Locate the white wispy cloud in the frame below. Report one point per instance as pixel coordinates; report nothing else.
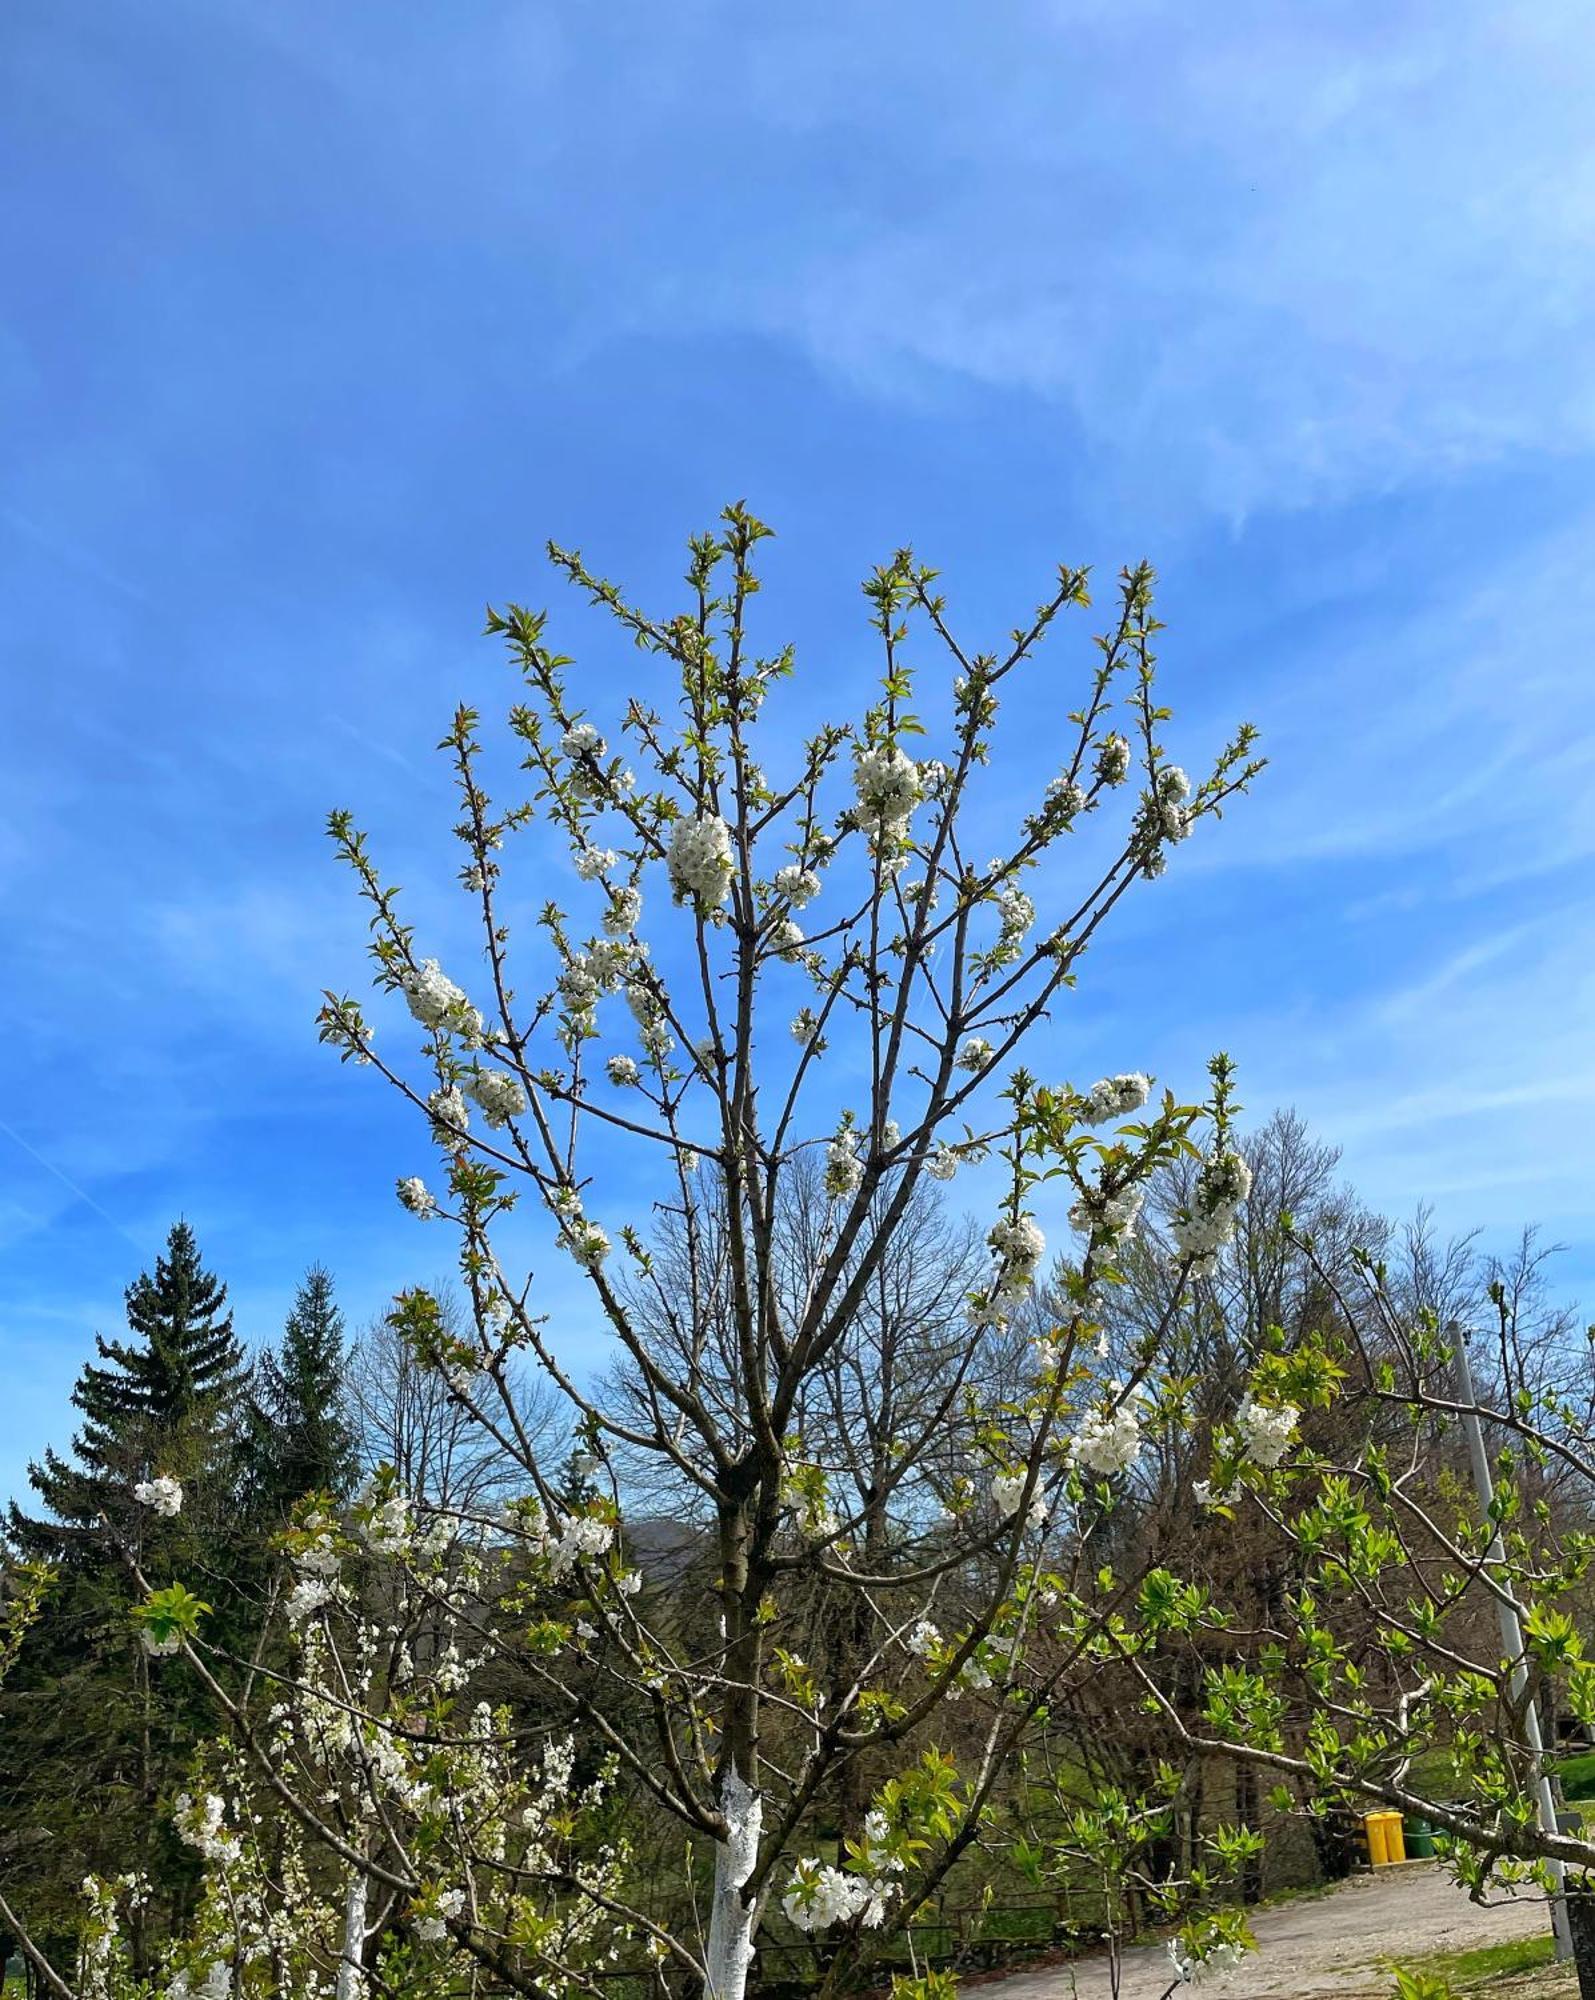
(1274, 255)
(1446, 726)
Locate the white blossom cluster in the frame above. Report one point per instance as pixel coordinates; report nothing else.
(844, 1170)
(699, 861)
(1109, 1441)
(496, 1094)
(974, 1054)
(306, 1598)
(1172, 790)
(624, 912)
(923, 1640)
(820, 1895)
(97, 1948)
(1110, 1215)
(1064, 799)
(579, 989)
(582, 1537)
(1008, 1489)
(586, 1242)
(623, 1071)
(585, 747)
(450, 1119)
(1115, 1097)
(163, 1495)
(610, 961)
(1015, 916)
(786, 940)
(796, 884)
(447, 1906)
(1266, 1429)
(942, 1164)
(886, 784)
(612, 958)
(462, 1376)
(388, 1526)
(1017, 1247)
(806, 1492)
(201, 1824)
(417, 1197)
(436, 1002)
(648, 1012)
(1113, 759)
(805, 1026)
(1215, 1962)
(1207, 1223)
(391, 1769)
(157, 1647)
(318, 1554)
(592, 862)
(1164, 817)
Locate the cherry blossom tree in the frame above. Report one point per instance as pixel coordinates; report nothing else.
(783, 1006)
(762, 967)
(369, 1822)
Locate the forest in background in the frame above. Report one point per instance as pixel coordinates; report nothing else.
(99, 1741)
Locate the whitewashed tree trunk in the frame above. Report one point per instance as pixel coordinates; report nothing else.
(730, 1952)
(351, 1975)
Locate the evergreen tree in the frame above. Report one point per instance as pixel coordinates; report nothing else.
(301, 1440)
(158, 1402)
(95, 1737)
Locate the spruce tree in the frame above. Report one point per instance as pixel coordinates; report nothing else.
(301, 1440)
(95, 1737)
(157, 1402)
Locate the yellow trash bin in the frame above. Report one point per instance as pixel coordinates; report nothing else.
(1386, 1843)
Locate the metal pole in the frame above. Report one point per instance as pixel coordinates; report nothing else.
(1511, 1633)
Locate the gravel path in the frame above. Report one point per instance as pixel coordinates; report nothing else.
(1328, 1947)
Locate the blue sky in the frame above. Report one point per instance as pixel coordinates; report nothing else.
(319, 320)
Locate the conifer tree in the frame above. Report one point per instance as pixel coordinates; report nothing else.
(300, 1437)
(95, 1736)
(157, 1402)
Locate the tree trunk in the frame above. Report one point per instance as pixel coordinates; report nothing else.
(1581, 1922)
(351, 1960)
(855, 1634)
(731, 1920)
(1248, 1812)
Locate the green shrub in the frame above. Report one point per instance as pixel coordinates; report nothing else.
(1577, 1775)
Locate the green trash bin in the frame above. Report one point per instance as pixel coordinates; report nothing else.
(1420, 1840)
